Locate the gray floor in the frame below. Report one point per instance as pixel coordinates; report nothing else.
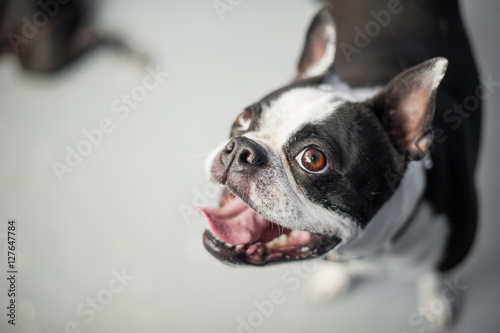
(124, 206)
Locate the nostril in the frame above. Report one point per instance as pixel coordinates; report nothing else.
(246, 156)
(241, 153)
(229, 147)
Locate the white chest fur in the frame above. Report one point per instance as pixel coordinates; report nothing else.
(420, 244)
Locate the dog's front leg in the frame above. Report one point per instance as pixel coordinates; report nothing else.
(333, 279)
(330, 280)
(438, 299)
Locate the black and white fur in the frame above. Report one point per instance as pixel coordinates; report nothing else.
(397, 198)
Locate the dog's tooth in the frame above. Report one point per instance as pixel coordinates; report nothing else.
(305, 249)
(239, 247)
(282, 240)
(294, 233)
(270, 244)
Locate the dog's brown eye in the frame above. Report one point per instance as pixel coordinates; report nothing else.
(313, 160)
(242, 122)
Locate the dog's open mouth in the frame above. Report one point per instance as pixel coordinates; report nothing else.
(237, 234)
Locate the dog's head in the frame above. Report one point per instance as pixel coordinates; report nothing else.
(308, 166)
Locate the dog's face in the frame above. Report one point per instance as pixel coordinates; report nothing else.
(308, 166)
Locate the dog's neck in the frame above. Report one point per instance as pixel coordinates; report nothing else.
(391, 217)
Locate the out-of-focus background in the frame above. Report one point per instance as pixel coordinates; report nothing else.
(107, 242)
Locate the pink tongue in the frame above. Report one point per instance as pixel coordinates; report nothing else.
(235, 222)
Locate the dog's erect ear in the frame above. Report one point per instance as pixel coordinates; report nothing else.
(319, 49)
(405, 106)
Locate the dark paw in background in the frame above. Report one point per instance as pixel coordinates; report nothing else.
(48, 35)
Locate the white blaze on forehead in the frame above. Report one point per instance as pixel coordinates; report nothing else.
(301, 106)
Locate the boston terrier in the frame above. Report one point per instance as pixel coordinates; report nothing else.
(362, 160)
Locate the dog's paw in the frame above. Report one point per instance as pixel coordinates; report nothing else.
(432, 305)
(329, 281)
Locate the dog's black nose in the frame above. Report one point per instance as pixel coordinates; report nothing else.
(241, 153)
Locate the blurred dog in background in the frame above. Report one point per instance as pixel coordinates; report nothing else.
(48, 35)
